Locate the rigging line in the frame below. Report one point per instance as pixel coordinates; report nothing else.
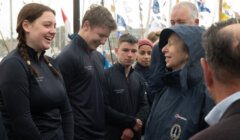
(220, 10)
(110, 49)
(109, 44)
(4, 42)
(149, 13)
(141, 18)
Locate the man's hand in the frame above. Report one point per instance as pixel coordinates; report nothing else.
(138, 126)
(127, 134)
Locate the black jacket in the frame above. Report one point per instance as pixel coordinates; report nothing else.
(34, 108)
(3, 134)
(126, 101)
(145, 73)
(178, 111)
(83, 73)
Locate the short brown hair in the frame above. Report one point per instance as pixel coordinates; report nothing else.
(127, 38)
(223, 50)
(153, 36)
(99, 16)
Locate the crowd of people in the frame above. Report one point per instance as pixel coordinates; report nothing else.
(178, 83)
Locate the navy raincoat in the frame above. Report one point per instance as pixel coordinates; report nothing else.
(178, 111)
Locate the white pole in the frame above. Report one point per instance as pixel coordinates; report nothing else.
(11, 28)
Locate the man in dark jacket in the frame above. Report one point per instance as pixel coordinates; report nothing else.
(178, 111)
(221, 69)
(82, 69)
(127, 107)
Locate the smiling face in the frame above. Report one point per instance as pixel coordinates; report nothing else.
(94, 35)
(144, 55)
(176, 54)
(41, 32)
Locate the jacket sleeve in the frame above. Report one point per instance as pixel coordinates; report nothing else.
(66, 114)
(14, 85)
(67, 69)
(67, 120)
(157, 67)
(113, 116)
(119, 119)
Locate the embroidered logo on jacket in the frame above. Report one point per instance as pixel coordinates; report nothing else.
(118, 91)
(88, 67)
(177, 116)
(39, 79)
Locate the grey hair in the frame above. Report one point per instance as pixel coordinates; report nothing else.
(193, 11)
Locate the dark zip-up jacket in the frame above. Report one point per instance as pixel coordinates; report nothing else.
(178, 111)
(145, 73)
(3, 133)
(157, 68)
(34, 108)
(83, 73)
(126, 101)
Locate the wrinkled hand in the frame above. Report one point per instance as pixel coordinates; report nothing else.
(138, 125)
(127, 134)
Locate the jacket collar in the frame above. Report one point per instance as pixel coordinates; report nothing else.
(121, 68)
(34, 54)
(140, 67)
(224, 109)
(80, 42)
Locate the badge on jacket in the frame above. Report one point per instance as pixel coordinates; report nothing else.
(175, 132)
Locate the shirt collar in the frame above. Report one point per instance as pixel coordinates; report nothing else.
(216, 113)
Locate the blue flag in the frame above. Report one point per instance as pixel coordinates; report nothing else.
(121, 21)
(118, 34)
(156, 8)
(202, 7)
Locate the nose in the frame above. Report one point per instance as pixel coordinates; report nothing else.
(164, 49)
(130, 53)
(147, 56)
(103, 40)
(53, 30)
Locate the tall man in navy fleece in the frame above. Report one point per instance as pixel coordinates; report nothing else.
(82, 69)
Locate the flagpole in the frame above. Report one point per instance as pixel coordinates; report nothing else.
(109, 44)
(11, 28)
(140, 15)
(220, 10)
(76, 13)
(170, 12)
(148, 17)
(102, 2)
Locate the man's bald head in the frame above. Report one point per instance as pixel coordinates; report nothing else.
(222, 46)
